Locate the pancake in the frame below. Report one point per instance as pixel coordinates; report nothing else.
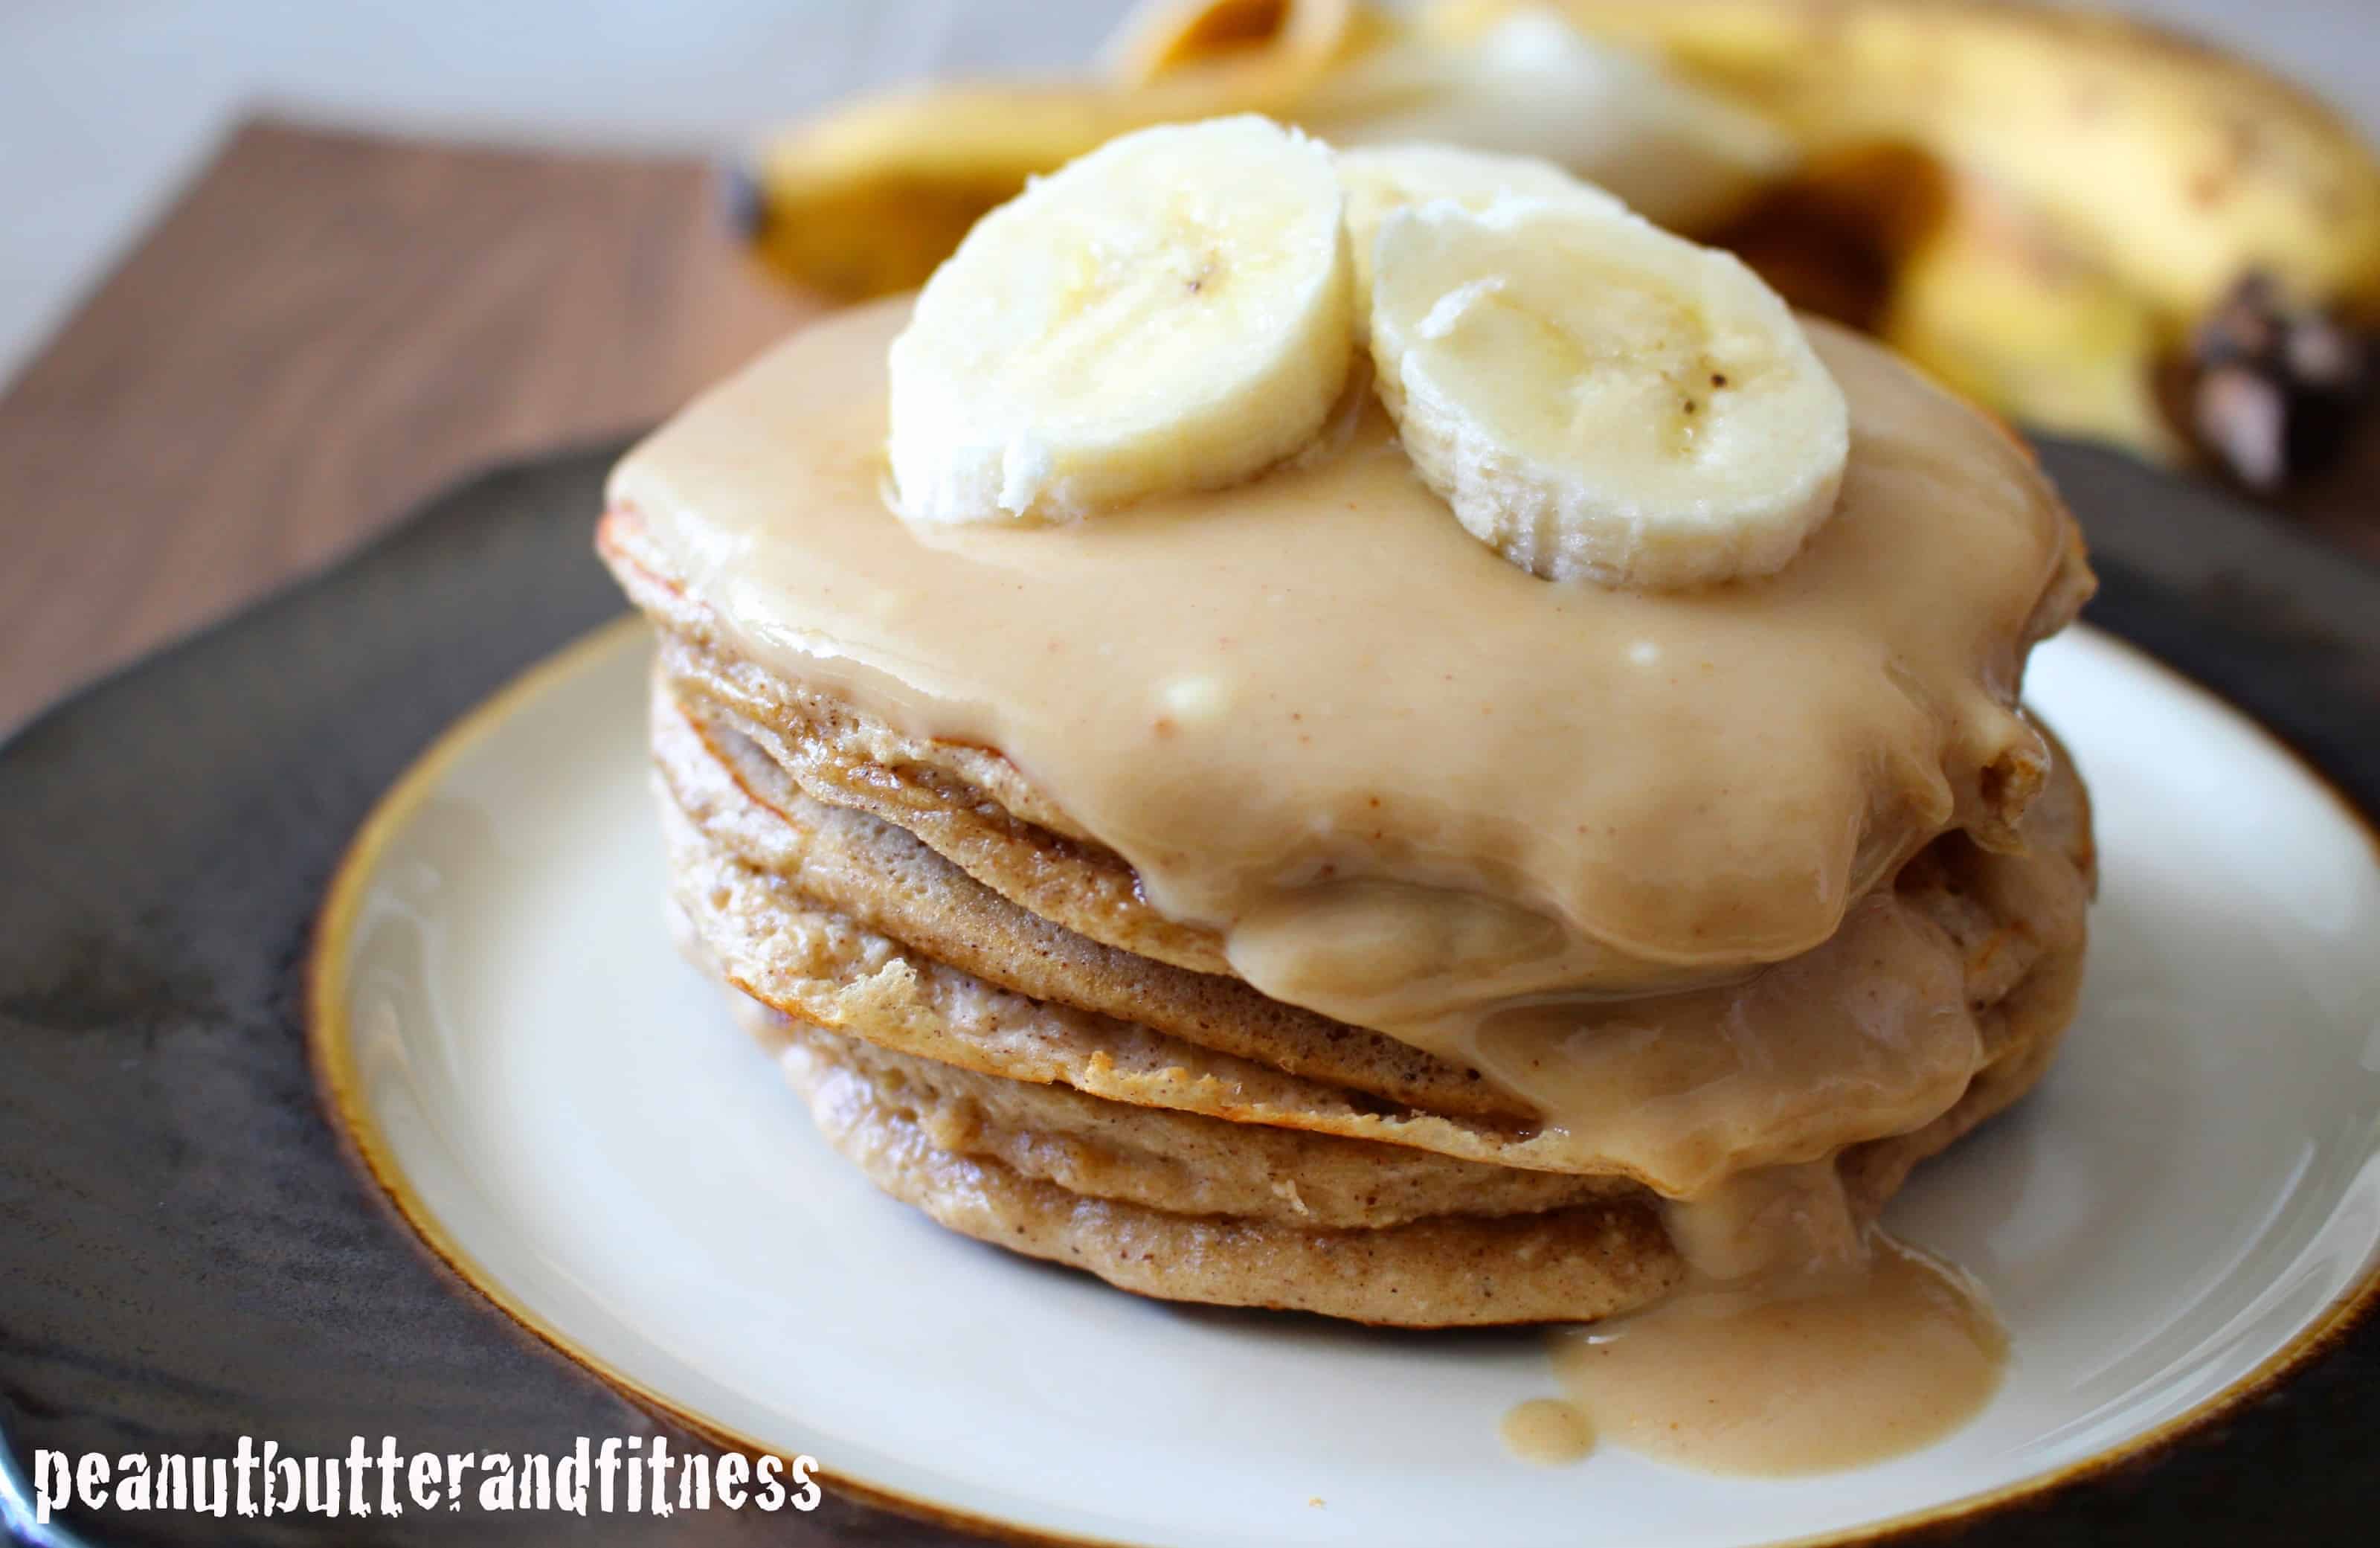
(848, 962)
(1270, 897)
(968, 804)
(890, 880)
(1569, 1264)
(1064, 685)
(975, 810)
(1443, 1271)
(1186, 1163)
(1004, 1096)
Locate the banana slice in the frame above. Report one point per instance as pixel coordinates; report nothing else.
(1599, 399)
(1170, 312)
(1379, 178)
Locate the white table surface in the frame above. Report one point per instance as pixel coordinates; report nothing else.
(108, 105)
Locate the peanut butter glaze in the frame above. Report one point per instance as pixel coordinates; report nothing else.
(1548, 831)
(1833, 1373)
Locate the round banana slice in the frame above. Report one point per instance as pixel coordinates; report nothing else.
(1599, 399)
(1379, 178)
(1170, 312)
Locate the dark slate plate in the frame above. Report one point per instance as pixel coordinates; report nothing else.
(188, 1256)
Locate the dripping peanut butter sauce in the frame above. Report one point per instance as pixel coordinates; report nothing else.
(1557, 833)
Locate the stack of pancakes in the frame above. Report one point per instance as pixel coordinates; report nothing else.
(988, 1019)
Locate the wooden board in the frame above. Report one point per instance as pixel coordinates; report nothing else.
(325, 328)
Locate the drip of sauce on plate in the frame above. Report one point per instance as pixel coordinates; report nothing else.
(1802, 1342)
(1547, 1430)
(1828, 1377)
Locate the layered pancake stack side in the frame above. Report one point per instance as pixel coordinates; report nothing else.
(985, 1016)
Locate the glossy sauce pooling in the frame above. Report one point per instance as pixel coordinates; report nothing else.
(1848, 1368)
(1547, 1430)
(1803, 1341)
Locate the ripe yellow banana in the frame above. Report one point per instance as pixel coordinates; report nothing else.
(869, 197)
(2046, 207)
(2170, 167)
(1283, 45)
(1989, 302)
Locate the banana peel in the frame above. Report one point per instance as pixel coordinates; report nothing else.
(1280, 46)
(1969, 284)
(870, 199)
(2103, 189)
(1991, 306)
(2173, 168)
(867, 201)
(1535, 86)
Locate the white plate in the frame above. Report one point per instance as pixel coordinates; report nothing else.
(566, 1109)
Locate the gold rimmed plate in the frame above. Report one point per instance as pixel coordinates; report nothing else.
(2183, 1222)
